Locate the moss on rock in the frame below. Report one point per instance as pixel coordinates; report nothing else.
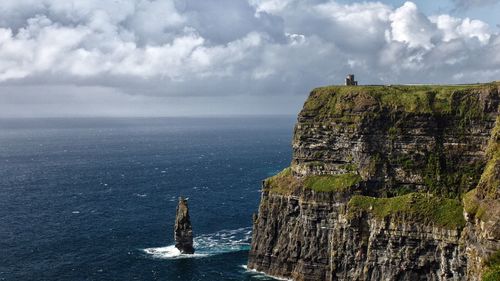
(417, 207)
(330, 183)
(489, 184)
(492, 268)
(285, 182)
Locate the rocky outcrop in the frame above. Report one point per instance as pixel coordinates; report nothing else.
(375, 187)
(305, 239)
(183, 231)
(482, 212)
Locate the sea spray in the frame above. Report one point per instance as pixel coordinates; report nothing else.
(223, 241)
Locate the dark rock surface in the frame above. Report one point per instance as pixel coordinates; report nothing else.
(434, 142)
(307, 239)
(183, 231)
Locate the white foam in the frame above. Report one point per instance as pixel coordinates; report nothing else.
(262, 274)
(170, 252)
(205, 245)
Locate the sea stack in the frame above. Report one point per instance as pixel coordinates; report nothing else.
(183, 231)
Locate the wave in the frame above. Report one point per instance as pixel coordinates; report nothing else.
(261, 275)
(224, 241)
(170, 252)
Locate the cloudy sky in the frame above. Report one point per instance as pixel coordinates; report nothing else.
(224, 57)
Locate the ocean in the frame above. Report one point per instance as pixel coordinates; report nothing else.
(95, 199)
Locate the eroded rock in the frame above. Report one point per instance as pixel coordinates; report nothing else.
(183, 231)
(399, 140)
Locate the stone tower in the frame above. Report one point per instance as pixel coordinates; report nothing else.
(349, 80)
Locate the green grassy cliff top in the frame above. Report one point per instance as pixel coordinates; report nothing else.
(451, 99)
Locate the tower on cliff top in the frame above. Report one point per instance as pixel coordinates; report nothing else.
(349, 80)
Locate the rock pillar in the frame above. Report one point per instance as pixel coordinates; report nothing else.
(183, 231)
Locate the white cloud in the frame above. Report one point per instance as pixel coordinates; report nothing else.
(270, 6)
(455, 28)
(357, 26)
(410, 26)
(260, 47)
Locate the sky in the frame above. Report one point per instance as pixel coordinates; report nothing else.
(128, 58)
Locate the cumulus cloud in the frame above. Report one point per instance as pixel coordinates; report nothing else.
(181, 48)
(410, 26)
(454, 28)
(143, 39)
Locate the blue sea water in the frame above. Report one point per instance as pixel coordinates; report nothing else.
(95, 199)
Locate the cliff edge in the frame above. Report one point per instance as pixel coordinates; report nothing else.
(387, 183)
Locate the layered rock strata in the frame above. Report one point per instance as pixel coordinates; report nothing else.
(375, 187)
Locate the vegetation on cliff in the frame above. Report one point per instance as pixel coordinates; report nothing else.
(492, 268)
(472, 204)
(329, 183)
(482, 202)
(445, 176)
(415, 207)
(461, 100)
(489, 184)
(440, 125)
(285, 182)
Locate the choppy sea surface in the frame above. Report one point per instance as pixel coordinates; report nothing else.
(95, 199)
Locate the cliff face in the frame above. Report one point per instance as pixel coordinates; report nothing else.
(482, 212)
(375, 187)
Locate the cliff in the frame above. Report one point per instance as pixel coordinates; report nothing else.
(386, 183)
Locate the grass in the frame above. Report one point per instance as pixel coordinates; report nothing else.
(285, 183)
(417, 207)
(481, 209)
(352, 167)
(330, 183)
(471, 203)
(492, 268)
(336, 101)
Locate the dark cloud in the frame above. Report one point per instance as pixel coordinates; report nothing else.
(223, 21)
